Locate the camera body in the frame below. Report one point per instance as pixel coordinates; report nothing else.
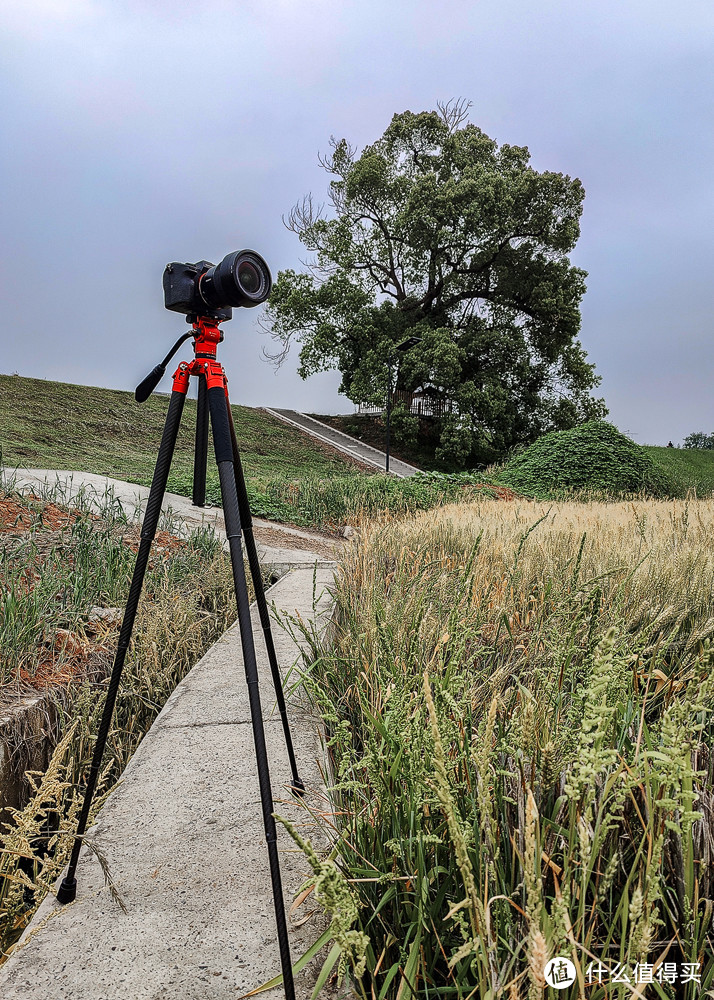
(181, 291)
(203, 289)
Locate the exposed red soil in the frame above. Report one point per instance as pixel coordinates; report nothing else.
(18, 516)
(72, 657)
(163, 541)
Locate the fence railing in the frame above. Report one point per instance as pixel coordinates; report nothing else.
(421, 405)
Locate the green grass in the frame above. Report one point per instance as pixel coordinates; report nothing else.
(330, 502)
(53, 425)
(690, 468)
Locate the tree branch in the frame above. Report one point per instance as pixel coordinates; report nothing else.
(454, 112)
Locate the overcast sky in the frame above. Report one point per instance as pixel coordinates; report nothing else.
(144, 131)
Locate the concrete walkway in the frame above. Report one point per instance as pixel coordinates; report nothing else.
(183, 835)
(343, 442)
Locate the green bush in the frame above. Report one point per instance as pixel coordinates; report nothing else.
(594, 456)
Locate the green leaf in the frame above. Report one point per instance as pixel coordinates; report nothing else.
(300, 964)
(326, 969)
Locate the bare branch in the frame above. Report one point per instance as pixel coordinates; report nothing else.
(279, 357)
(303, 215)
(327, 160)
(454, 112)
(281, 354)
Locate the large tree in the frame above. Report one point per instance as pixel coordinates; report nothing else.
(439, 233)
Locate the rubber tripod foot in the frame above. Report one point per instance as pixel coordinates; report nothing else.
(297, 787)
(67, 891)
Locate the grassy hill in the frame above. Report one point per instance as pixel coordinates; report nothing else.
(687, 468)
(690, 468)
(52, 425)
(290, 476)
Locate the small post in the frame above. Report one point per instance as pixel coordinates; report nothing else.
(403, 347)
(389, 405)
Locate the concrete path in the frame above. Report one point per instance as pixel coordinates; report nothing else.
(183, 836)
(183, 831)
(343, 442)
(96, 490)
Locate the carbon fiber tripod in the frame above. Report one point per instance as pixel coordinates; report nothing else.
(213, 401)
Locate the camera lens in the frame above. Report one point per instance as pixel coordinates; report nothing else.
(241, 279)
(248, 277)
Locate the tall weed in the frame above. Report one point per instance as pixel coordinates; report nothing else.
(518, 706)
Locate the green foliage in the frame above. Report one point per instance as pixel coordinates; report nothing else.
(594, 456)
(404, 426)
(440, 233)
(327, 503)
(699, 440)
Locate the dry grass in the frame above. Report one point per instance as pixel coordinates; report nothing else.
(648, 565)
(553, 792)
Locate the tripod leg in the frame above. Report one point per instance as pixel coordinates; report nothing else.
(201, 452)
(246, 521)
(68, 888)
(224, 457)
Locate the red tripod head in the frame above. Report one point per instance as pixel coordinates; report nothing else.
(206, 338)
(206, 335)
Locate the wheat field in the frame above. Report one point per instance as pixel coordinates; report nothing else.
(518, 703)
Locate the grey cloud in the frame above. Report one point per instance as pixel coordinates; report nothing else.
(137, 133)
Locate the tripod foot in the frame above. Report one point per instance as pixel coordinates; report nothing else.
(67, 891)
(297, 787)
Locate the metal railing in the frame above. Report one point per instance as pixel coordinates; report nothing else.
(420, 404)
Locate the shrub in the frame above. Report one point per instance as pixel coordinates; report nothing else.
(593, 456)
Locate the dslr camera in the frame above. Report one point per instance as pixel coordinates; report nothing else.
(204, 289)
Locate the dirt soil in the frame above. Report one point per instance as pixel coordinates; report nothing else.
(66, 656)
(18, 517)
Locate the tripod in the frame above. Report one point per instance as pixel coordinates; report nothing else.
(213, 401)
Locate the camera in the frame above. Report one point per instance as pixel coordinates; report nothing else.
(204, 289)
